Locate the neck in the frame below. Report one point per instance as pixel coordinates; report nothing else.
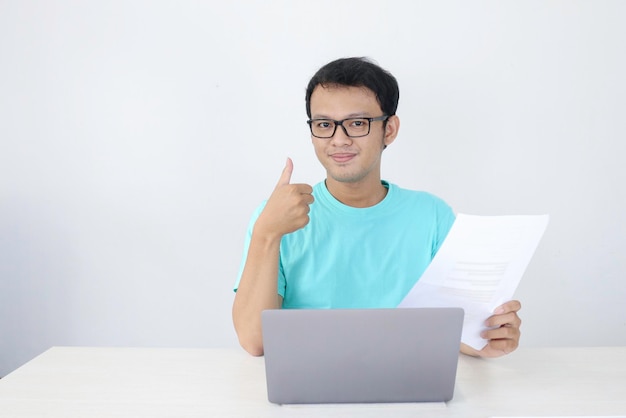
(357, 195)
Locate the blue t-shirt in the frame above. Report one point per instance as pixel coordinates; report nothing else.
(349, 257)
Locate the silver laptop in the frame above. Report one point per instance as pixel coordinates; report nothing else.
(361, 355)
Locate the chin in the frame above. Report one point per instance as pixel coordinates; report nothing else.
(346, 177)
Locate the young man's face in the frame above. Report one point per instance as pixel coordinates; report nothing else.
(351, 160)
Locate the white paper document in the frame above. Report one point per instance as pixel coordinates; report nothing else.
(478, 268)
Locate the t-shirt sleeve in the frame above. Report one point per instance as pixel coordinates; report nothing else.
(445, 219)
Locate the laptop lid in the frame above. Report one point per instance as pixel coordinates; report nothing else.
(361, 355)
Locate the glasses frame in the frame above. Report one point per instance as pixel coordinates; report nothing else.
(340, 123)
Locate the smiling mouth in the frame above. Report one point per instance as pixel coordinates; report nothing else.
(342, 157)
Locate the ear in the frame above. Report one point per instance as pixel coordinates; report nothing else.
(391, 129)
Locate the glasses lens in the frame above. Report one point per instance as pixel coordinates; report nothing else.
(354, 127)
(322, 128)
(357, 126)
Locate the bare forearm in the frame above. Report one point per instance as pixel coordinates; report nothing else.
(257, 291)
(286, 211)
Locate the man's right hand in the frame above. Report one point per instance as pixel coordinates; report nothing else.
(287, 209)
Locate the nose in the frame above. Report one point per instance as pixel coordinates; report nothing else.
(340, 137)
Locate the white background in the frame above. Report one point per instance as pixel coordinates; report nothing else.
(137, 137)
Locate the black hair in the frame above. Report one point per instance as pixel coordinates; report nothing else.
(357, 72)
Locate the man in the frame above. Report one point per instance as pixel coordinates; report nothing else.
(352, 241)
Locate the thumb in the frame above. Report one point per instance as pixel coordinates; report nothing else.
(285, 176)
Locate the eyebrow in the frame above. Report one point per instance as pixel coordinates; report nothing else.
(350, 116)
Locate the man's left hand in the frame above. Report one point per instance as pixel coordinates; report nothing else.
(504, 333)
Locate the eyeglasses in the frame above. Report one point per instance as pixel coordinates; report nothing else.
(353, 127)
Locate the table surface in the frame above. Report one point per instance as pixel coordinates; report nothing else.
(155, 382)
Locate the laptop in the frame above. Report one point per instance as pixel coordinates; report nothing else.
(361, 355)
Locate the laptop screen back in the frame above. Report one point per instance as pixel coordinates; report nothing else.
(361, 355)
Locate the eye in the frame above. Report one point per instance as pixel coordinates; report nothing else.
(358, 123)
(324, 124)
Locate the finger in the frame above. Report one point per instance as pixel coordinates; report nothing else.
(503, 346)
(285, 176)
(501, 333)
(303, 188)
(510, 306)
(510, 319)
(305, 192)
(308, 199)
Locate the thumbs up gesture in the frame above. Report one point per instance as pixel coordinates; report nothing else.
(287, 209)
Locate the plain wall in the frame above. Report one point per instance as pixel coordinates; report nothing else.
(137, 137)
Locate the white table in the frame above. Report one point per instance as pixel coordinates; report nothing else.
(139, 382)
